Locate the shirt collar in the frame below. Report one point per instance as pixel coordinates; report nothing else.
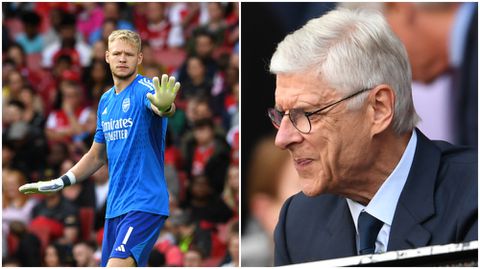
(384, 202)
(460, 29)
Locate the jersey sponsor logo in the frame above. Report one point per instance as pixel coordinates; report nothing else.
(112, 124)
(116, 129)
(126, 104)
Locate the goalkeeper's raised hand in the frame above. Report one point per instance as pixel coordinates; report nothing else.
(48, 186)
(165, 93)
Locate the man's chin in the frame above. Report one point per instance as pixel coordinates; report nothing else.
(311, 187)
(123, 76)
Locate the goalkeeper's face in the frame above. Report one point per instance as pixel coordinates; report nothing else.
(123, 58)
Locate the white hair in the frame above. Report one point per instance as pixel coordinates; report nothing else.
(352, 50)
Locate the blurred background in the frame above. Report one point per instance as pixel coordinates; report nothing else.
(53, 65)
(441, 40)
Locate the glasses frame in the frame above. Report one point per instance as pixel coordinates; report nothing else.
(308, 114)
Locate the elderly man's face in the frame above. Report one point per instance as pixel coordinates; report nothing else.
(326, 157)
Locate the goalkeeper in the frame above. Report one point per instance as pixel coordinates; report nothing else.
(130, 134)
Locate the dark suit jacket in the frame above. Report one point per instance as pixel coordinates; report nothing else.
(438, 205)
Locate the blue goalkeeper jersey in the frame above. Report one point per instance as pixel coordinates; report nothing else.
(135, 142)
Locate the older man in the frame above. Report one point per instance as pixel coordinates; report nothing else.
(370, 181)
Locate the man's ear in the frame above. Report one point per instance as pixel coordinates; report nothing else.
(107, 54)
(382, 101)
(140, 58)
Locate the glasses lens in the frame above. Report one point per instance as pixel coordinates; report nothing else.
(275, 116)
(299, 120)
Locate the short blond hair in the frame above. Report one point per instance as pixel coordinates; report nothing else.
(126, 35)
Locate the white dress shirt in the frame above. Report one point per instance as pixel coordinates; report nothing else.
(384, 202)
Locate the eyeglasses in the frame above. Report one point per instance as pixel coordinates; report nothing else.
(301, 119)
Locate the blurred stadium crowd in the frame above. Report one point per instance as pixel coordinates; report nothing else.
(54, 73)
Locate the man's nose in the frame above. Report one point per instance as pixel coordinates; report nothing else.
(287, 134)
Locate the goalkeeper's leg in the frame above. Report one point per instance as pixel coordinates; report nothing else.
(129, 238)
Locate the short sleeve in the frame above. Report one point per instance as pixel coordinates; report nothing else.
(147, 88)
(99, 136)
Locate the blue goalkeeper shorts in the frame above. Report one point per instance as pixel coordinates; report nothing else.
(132, 234)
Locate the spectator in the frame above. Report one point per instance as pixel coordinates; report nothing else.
(108, 26)
(71, 234)
(16, 207)
(19, 135)
(156, 259)
(230, 193)
(34, 111)
(83, 253)
(83, 194)
(8, 66)
(58, 152)
(55, 256)
(149, 63)
(31, 74)
(30, 40)
(6, 39)
(100, 178)
(271, 180)
(8, 154)
(111, 11)
(203, 47)
(98, 50)
(206, 206)
(232, 25)
(89, 19)
(157, 28)
(28, 249)
(233, 250)
(190, 233)
(193, 257)
(15, 83)
(194, 14)
(68, 44)
(63, 66)
(11, 262)
(441, 40)
(232, 105)
(197, 83)
(166, 245)
(67, 123)
(52, 212)
(97, 80)
(52, 17)
(216, 25)
(207, 154)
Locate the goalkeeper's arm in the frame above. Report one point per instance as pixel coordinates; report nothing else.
(164, 96)
(90, 162)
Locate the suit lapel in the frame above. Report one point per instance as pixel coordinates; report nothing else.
(340, 228)
(416, 202)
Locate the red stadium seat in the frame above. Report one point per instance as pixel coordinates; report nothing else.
(12, 244)
(87, 215)
(43, 234)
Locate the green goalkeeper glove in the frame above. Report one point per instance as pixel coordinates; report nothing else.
(49, 186)
(165, 93)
